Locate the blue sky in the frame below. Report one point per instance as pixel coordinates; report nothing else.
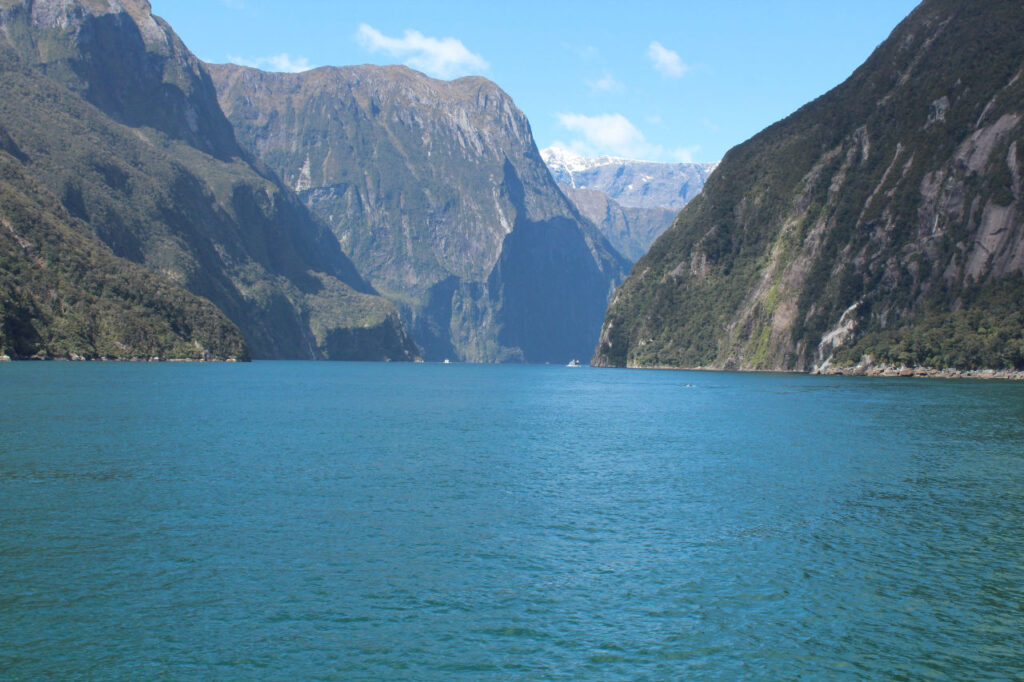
(661, 80)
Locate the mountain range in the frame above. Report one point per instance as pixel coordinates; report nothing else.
(142, 221)
(152, 205)
(880, 223)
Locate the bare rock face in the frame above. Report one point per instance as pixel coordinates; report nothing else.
(108, 111)
(438, 193)
(886, 218)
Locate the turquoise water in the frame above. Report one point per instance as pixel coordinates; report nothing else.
(364, 521)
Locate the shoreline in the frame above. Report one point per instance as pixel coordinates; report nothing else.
(75, 357)
(874, 370)
(902, 371)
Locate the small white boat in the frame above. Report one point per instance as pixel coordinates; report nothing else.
(574, 363)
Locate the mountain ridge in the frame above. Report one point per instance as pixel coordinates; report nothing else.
(630, 230)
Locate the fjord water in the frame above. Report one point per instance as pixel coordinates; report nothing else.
(343, 520)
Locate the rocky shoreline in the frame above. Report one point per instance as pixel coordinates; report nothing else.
(873, 369)
(75, 357)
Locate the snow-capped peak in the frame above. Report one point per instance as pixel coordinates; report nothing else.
(573, 162)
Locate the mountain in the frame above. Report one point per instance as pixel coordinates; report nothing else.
(112, 115)
(438, 193)
(879, 223)
(630, 183)
(631, 230)
(631, 202)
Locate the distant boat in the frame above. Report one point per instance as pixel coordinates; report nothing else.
(574, 363)
(447, 361)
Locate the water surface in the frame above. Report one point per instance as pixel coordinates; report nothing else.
(362, 521)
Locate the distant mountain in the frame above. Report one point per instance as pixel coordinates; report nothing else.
(882, 222)
(630, 230)
(631, 202)
(438, 193)
(630, 183)
(114, 117)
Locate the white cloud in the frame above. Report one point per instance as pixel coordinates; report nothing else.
(606, 84)
(615, 135)
(608, 134)
(439, 57)
(283, 63)
(667, 62)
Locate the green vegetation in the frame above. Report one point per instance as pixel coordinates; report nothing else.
(986, 332)
(65, 294)
(874, 194)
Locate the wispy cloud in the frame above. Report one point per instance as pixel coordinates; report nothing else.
(685, 154)
(615, 135)
(283, 63)
(666, 62)
(439, 57)
(607, 83)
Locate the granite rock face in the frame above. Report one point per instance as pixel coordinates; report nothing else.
(438, 193)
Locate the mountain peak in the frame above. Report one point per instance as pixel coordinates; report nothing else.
(125, 61)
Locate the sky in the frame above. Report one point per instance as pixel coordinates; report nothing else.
(663, 80)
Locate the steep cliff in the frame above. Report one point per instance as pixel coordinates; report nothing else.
(884, 218)
(116, 118)
(438, 193)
